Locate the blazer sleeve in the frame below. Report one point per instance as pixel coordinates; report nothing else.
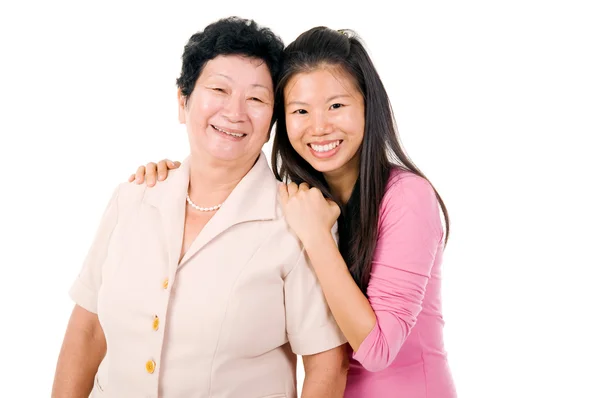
(310, 325)
(84, 290)
(410, 233)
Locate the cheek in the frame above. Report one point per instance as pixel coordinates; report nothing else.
(261, 119)
(294, 130)
(360, 130)
(354, 126)
(201, 111)
(210, 107)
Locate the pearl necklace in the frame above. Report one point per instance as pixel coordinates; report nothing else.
(195, 206)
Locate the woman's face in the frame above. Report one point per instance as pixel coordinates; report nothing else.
(324, 115)
(229, 112)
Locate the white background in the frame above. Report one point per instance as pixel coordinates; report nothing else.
(497, 102)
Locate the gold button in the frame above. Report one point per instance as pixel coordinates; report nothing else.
(150, 366)
(155, 323)
(166, 283)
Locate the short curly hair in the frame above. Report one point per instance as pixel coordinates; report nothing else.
(229, 36)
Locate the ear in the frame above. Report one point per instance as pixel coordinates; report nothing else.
(181, 106)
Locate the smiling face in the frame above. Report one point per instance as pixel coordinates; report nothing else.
(325, 119)
(228, 115)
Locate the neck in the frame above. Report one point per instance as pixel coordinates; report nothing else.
(211, 181)
(341, 181)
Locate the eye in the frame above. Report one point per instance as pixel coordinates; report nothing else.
(336, 106)
(300, 111)
(256, 99)
(218, 89)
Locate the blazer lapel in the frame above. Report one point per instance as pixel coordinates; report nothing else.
(254, 198)
(169, 197)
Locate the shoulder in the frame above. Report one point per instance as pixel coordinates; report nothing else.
(409, 201)
(126, 195)
(405, 188)
(129, 193)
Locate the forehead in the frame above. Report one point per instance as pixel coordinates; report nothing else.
(238, 69)
(324, 80)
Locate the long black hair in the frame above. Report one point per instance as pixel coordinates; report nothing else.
(380, 151)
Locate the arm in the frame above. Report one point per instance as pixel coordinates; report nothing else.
(84, 344)
(325, 374)
(313, 333)
(349, 306)
(376, 327)
(409, 235)
(83, 349)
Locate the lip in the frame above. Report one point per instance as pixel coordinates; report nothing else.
(328, 154)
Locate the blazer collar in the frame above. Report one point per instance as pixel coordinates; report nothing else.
(254, 198)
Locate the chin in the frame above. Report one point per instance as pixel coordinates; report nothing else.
(326, 166)
(226, 155)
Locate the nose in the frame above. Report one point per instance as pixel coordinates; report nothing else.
(234, 109)
(321, 124)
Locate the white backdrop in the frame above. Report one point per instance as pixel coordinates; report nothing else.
(497, 102)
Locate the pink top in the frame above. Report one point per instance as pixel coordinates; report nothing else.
(404, 355)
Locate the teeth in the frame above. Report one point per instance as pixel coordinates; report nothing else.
(228, 133)
(325, 148)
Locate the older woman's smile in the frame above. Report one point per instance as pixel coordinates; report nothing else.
(229, 133)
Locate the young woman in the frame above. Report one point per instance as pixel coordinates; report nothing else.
(336, 146)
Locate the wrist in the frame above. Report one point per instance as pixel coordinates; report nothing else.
(318, 240)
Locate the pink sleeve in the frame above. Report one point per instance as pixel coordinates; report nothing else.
(410, 232)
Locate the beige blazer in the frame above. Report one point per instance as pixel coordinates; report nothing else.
(224, 322)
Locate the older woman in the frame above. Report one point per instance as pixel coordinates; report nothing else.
(197, 287)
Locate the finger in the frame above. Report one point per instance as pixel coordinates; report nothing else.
(172, 165)
(335, 209)
(303, 187)
(151, 174)
(283, 193)
(316, 191)
(131, 178)
(140, 175)
(332, 204)
(162, 170)
(292, 189)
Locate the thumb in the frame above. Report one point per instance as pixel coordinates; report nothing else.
(283, 193)
(334, 207)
